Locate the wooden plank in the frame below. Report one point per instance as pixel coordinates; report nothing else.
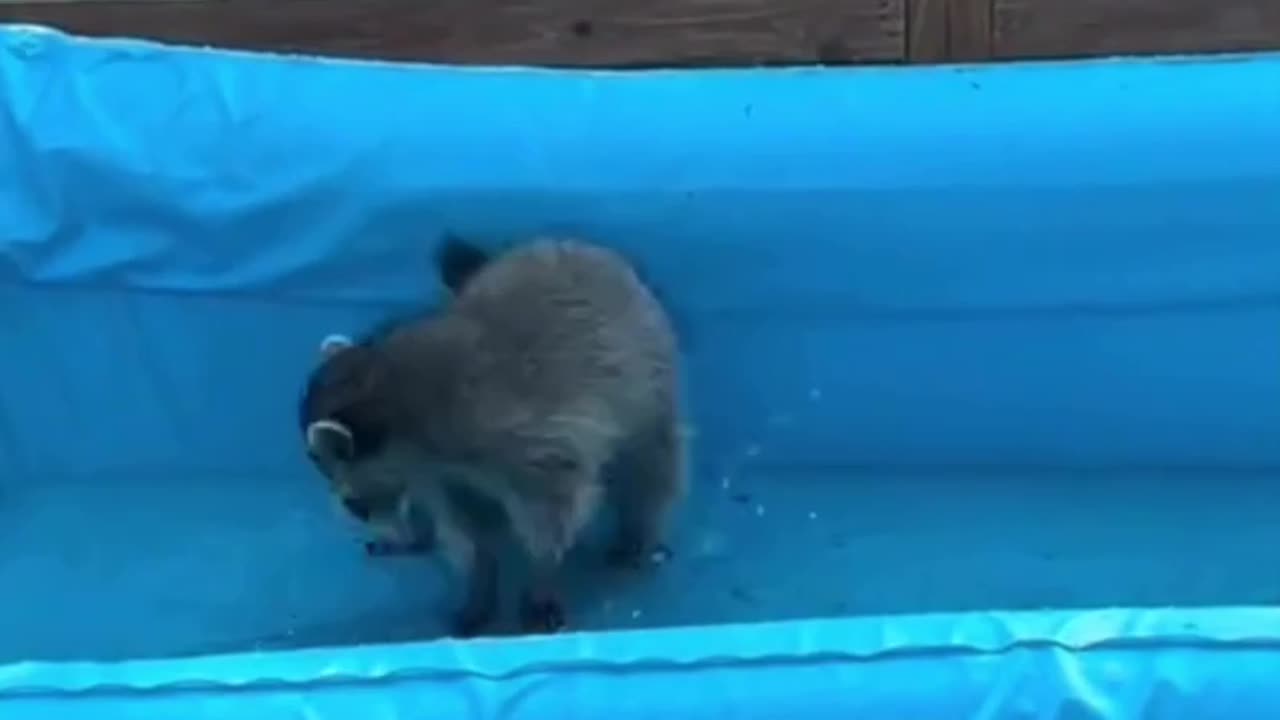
(927, 31)
(66, 2)
(969, 30)
(1062, 28)
(610, 33)
(70, 2)
(948, 30)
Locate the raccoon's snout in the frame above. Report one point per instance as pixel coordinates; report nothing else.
(358, 508)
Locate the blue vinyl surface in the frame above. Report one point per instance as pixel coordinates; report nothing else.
(959, 341)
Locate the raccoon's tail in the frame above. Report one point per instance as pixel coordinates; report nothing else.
(457, 261)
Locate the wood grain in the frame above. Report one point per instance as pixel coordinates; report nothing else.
(67, 2)
(927, 31)
(675, 33)
(969, 30)
(605, 33)
(1068, 28)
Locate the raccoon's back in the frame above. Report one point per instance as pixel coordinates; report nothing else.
(563, 322)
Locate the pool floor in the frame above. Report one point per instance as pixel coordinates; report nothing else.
(109, 567)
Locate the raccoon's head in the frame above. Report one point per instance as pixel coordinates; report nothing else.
(346, 416)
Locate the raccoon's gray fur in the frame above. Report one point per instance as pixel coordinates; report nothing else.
(551, 360)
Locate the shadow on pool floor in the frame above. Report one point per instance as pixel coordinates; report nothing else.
(101, 568)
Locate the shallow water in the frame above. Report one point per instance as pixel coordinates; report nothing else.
(116, 568)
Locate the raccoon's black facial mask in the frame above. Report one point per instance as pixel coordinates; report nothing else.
(366, 508)
(358, 508)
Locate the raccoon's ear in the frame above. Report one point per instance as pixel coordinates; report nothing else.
(333, 344)
(331, 439)
(457, 261)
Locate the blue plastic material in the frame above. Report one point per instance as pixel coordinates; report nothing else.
(1104, 664)
(1037, 269)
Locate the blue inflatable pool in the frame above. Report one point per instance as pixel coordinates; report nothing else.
(983, 371)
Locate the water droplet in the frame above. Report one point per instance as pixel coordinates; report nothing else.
(753, 450)
(760, 511)
(813, 515)
(725, 482)
(712, 544)
(635, 614)
(815, 394)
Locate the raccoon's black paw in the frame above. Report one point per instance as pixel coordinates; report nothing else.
(541, 615)
(382, 548)
(632, 556)
(378, 548)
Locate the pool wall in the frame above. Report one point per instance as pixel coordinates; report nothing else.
(1055, 265)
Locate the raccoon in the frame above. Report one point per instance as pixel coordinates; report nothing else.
(457, 261)
(495, 417)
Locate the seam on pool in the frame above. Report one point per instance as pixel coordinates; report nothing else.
(764, 310)
(650, 665)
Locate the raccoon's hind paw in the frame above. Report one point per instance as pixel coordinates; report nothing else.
(471, 623)
(543, 615)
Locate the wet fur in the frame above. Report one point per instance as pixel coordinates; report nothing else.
(551, 361)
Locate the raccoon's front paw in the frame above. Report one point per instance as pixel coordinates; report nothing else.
(636, 556)
(380, 548)
(383, 548)
(541, 615)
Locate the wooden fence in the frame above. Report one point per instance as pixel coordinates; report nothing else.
(634, 33)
